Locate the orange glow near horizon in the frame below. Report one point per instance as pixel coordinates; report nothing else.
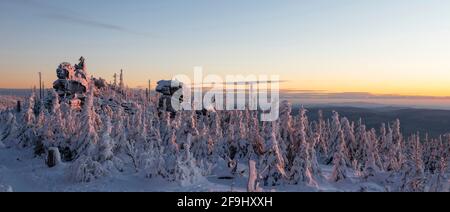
(409, 87)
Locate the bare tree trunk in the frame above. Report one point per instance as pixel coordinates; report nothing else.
(19, 107)
(40, 86)
(252, 176)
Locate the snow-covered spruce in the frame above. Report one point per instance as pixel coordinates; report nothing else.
(120, 130)
(272, 164)
(303, 165)
(85, 169)
(339, 160)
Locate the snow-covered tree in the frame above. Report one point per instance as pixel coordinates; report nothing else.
(186, 126)
(11, 129)
(170, 154)
(57, 116)
(315, 167)
(53, 133)
(151, 158)
(349, 136)
(299, 136)
(255, 137)
(272, 164)
(334, 139)
(118, 132)
(398, 143)
(412, 171)
(339, 161)
(232, 137)
(439, 182)
(370, 168)
(85, 169)
(106, 143)
(200, 150)
(390, 153)
(432, 154)
(186, 172)
(287, 128)
(214, 124)
(28, 131)
(242, 136)
(88, 136)
(301, 170)
(359, 152)
(323, 134)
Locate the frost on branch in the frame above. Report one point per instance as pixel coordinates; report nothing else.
(272, 165)
(84, 169)
(122, 130)
(339, 160)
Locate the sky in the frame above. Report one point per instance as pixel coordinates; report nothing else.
(395, 47)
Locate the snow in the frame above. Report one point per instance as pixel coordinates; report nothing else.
(22, 172)
(5, 188)
(122, 141)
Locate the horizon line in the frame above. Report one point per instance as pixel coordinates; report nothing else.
(313, 94)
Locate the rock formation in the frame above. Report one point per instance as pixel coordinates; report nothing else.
(72, 81)
(167, 88)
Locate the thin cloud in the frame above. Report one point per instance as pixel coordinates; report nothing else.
(302, 91)
(63, 15)
(89, 23)
(357, 95)
(247, 82)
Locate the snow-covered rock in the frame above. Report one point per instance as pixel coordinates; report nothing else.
(73, 82)
(6, 188)
(70, 81)
(54, 157)
(167, 88)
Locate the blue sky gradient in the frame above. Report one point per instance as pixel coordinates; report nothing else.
(382, 46)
